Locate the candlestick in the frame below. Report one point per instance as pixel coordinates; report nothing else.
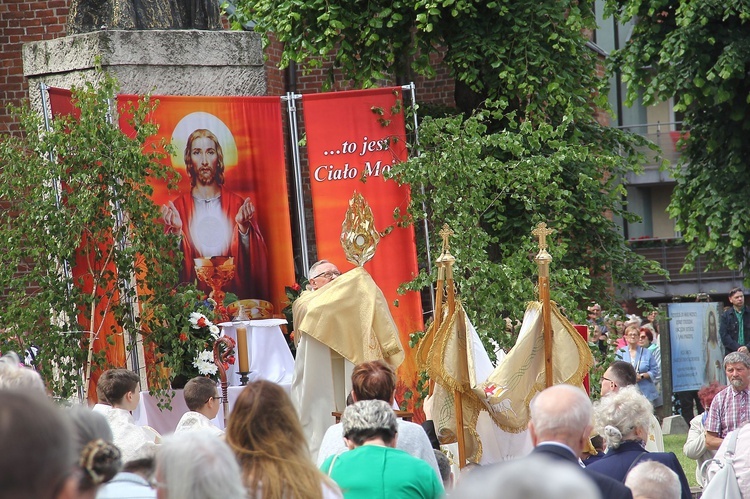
(242, 348)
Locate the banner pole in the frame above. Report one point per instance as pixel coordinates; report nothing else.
(43, 88)
(46, 111)
(137, 357)
(291, 108)
(543, 259)
(412, 89)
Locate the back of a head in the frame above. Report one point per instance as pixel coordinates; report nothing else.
(532, 477)
(116, 383)
(618, 415)
(93, 445)
(197, 392)
(38, 456)
(374, 380)
(560, 411)
(263, 418)
(653, 480)
(266, 436)
(14, 376)
(623, 373)
(198, 465)
(368, 419)
(444, 465)
(707, 393)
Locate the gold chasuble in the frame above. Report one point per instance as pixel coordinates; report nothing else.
(350, 316)
(346, 322)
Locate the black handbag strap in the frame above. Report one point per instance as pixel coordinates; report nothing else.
(634, 462)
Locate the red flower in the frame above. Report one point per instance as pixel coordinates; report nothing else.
(296, 287)
(231, 359)
(202, 322)
(183, 337)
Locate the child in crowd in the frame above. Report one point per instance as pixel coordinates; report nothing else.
(202, 398)
(121, 389)
(102, 406)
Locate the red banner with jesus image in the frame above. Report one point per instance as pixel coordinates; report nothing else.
(353, 138)
(231, 200)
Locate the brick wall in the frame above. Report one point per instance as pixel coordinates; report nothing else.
(23, 21)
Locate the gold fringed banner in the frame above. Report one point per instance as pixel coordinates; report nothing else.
(447, 356)
(507, 392)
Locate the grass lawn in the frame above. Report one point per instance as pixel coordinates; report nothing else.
(674, 443)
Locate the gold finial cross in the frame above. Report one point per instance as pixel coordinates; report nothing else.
(446, 232)
(541, 231)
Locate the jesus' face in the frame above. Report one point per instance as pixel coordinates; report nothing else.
(205, 160)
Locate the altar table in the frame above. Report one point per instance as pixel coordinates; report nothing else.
(269, 359)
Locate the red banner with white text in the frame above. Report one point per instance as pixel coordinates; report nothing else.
(353, 138)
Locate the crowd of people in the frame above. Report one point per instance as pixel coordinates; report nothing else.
(612, 448)
(102, 453)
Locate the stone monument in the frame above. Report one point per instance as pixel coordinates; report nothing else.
(136, 42)
(93, 15)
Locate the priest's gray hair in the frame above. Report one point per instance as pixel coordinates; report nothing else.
(618, 415)
(653, 480)
(198, 465)
(368, 419)
(314, 266)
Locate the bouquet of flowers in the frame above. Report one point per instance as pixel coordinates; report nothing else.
(292, 293)
(192, 355)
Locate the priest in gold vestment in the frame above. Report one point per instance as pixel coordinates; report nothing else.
(342, 321)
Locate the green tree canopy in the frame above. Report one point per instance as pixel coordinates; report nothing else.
(528, 148)
(699, 53)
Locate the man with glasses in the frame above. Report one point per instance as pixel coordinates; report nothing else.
(203, 399)
(340, 321)
(621, 374)
(321, 273)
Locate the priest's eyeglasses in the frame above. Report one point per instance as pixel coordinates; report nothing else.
(330, 274)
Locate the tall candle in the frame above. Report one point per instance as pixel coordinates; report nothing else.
(242, 348)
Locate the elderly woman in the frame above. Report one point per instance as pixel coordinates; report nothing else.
(197, 465)
(695, 446)
(373, 467)
(622, 418)
(647, 370)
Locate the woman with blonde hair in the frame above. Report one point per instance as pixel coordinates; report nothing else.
(647, 370)
(266, 436)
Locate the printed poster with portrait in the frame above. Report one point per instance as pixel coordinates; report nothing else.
(231, 205)
(697, 352)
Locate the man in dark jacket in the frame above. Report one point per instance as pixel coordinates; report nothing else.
(560, 427)
(734, 327)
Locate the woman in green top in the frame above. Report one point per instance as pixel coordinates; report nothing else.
(373, 468)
